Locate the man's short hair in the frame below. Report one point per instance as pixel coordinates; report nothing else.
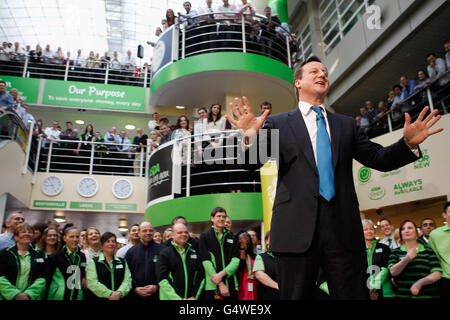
(386, 219)
(1, 81)
(187, 2)
(396, 86)
(427, 219)
(178, 217)
(446, 207)
(430, 54)
(10, 216)
(202, 108)
(298, 73)
(67, 122)
(217, 209)
(134, 225)
(266, 103)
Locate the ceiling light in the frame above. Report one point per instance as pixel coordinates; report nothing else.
(130, 127)
(179, 107)
(59, 217)
(123, 225)
(79, 121)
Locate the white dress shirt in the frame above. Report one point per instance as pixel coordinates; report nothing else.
(310, 118)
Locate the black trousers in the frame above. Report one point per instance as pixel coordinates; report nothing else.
(344, 271)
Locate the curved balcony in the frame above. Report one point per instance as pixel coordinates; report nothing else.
(224, 55)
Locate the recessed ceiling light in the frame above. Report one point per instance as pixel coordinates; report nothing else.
(130, 127)
(180, 107)
(79, 121)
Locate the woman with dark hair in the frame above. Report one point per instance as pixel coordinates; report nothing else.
(86, 148)
(67, 269)
(108, 276)
(415, 267)
(182, 133)
(246, 278)
(171, 18)
(49, 241)
(23, 270)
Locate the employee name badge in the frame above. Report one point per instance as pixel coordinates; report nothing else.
(379, 250)
(119, 266)
(230, 240)
(155, 258)
(250, 286)
(39, 260)
(193, 256)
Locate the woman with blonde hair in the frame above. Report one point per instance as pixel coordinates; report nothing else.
(155, 138)
(167, 234)
(93, 244)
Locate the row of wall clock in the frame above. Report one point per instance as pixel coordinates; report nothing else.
(87, 187)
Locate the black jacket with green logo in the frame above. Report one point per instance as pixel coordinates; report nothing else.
(179, 279)
(63, 266)
(220, 256)
(104, 275)
(10, 268)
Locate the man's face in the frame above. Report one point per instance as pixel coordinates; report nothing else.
(314, 80)
(403, 81)
(202, 113)
(397, 91)
(2, 87)
(431, 60)
(386, 228)
(265, 107)
(180, 234)
(225, 2)
(164, 130)
(68, 126)
(113, 130)
(146, 232)
(446, 216)
(219, 219)
(447, 47)
(421, 75)
(369, 105)
(209, 2)
(55, 124)
(362, 111)
(14, 93)
(16, 44)
(268, 12)
(129, 53)
(122, 134)
(427, 226)
(134, 233)
(47, 47)
(16, 219)
(187, 6)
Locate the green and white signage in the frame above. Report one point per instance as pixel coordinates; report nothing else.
(28, 87)
(49, 204)
(92, 95)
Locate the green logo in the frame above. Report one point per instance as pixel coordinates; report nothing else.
(377, 193)
(364, 174)
(154, 170)
(423, 162)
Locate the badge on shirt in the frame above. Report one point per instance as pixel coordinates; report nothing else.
(230, 240)
(379, 250)
(193, 256)
(155, 258)
(39, 260)
(250, 286)
(119, 266)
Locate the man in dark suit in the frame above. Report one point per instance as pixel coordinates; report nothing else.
(316, 221)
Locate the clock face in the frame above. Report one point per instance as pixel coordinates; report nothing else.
(52, 186)
(87, 187)
(122, 188)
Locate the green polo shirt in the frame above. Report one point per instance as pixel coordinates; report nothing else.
(166, 291)
(421, 266)
(439, 241)
(24, 271)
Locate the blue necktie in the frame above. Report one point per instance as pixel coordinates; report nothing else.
(324, 157)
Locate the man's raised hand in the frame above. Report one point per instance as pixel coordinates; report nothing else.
(244, 119)
(415, 133)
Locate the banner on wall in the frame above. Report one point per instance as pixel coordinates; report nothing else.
(28, 87)
(93, 95)
(165, 51)
(269, 179)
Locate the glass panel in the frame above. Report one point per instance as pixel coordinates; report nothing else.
(308, 52)
(329, 11)
(327, 40)
(329, 24)
(355, 7)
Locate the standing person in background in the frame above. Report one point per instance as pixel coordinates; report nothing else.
(141, 141)
(439, 240)
(12, 221)
(67, 269)
(179, 270)
(157, 237)
(85, 147)
(93, 245)
(219, 252)
(167, 235)
(193, 242)
(415, 267)
(23, 270)
(377, 260)
(155, 139)
(141, 260)
(133, 240)
(6, 100)
(50, 242)
(171, 19)
(389, 237)
(265, 272)
(246, 278)
(427, 226)
(166, 133)
(108, 276)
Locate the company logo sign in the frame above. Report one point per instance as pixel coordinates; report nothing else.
(408, 187)
(423, 162)
(364, 175)
(377, 193)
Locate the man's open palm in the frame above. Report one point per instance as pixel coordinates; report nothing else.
(415, 133)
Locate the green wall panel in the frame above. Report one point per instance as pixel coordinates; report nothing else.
(239, 206)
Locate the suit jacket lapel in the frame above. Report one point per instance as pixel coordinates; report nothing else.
(335, 134)
(301, 134)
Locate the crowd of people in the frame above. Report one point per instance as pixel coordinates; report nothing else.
(408, 95)
(47, 262)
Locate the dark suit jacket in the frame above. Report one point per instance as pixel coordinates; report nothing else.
(296, 201)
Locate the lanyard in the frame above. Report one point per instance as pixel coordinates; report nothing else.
(249, 268)
(370, 254)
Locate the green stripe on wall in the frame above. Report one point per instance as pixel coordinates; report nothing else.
(239, 206)
(222, 61)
